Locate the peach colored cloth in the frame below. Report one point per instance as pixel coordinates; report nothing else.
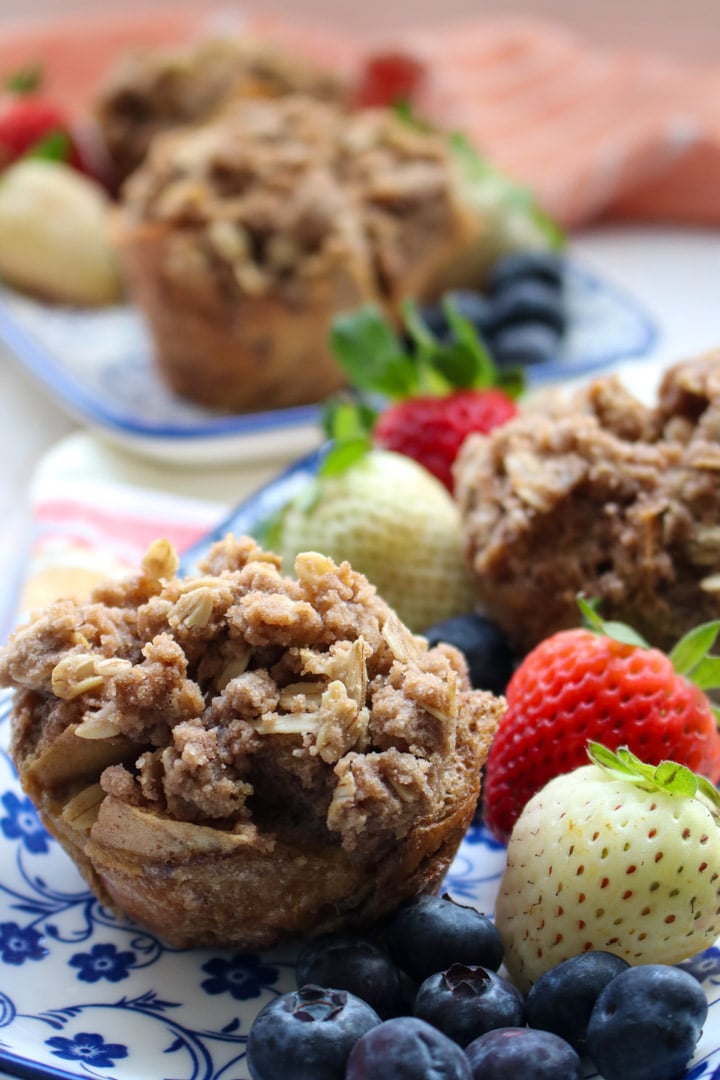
(596, 132)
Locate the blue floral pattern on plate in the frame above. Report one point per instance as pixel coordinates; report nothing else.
(84, 994)
(98, 364)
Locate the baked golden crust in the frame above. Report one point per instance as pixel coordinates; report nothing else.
(604, 496)
(239, 757)
(225, 348)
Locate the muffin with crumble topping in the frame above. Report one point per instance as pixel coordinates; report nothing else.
(242, 238)
(237, 757)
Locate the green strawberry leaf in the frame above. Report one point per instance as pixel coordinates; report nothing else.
(347, 419)
(610, 761)
(54, 147)
(690, 656)
(342, 455)
(671, 777)
(706, 673)
(482, 174)
(25, 80)
(692, 649)
(676, 778)
(404, 111)
(371, 354)
(349, 424)
(618, 631)
(512, 197)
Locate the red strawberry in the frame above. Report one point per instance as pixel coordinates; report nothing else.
(439, 391)
(389, 78)
(579, 685)
(432, 429)
(26, 122)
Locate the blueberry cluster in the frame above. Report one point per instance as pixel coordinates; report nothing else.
(521, 316)
(424, 999)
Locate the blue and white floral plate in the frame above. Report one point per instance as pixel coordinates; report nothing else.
(86, 995)
(97, 364)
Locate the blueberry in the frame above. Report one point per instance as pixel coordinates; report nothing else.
(489, 656)
(407, 1049)
(545, 266)
(429, 933)
(646, 1023)
(525, 344)
(520, 301)
(354, 963)
(473, 306)
(307, 1034)
(562, 999)
(464, 1002)
(517, 1051)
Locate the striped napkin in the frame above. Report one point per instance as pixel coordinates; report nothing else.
(88, 530)
(594, 131)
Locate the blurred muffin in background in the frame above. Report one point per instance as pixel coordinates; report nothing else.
(242, 238)
(153, 90)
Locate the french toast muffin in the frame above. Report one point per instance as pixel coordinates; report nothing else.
(602, 495)
(154, 89)
(237, 757)
(242, 239)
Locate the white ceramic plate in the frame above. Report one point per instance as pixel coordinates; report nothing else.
(97, 364)
(84, 994)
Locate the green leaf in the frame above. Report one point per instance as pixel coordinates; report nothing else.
(481, 369)
(694, 646)
(54, 147)
(512, 197)
(428, 378)
(512, 381)
(618, 631)
(671, 777)
(404, 111)
(370, 353)
(706, 674)
(25, 80)
(341, 456)
(676, 779)
(609, 760)
(710, 793)
(347, 419)
(455, 366)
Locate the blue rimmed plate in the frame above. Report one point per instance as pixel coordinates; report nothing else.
(85, 994)
(98, 365)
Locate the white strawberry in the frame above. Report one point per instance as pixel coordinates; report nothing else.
(616, 855)
(395, 523)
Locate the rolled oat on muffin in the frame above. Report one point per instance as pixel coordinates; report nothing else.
(237, 757)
